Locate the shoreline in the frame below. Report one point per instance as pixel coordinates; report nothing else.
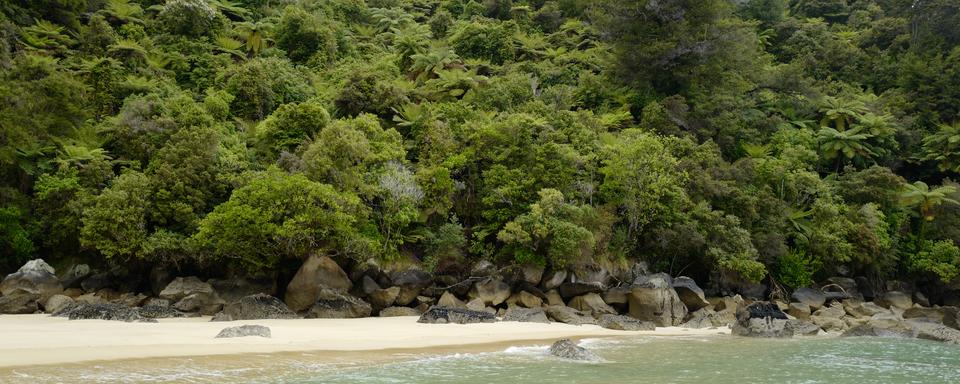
(37, 340)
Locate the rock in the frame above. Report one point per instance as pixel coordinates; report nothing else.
(528, 300)
(369, 268)
(566, 349)
(881, 328)
(844, 285)
(368, 286)
(335, 305)
(157, 302)
(828, 323)
(727, 303)
(483, 268)
(865, 288)
(690, 294)
(935, 332)
(101, 312)
(616, 295)
(835, 311)
(159, 278)
(624, 323)
(553, 279)
(185, 286)
(56, 303)
(809, 296)
(708, 318)
(157, 312)
(761, 319)
(526, 315)
(74, 276)
(920, 298)
(799, 310)
(316, 274)
(90, 298)
(442, 315)
(564, 314)
(384, 298)
(895, 299)
(653, 299)
(256, 307)
(862, 310)
(97, 281)
(591, 304)
(801, 328)
(19, 303)
(130, 299)
(411, 282)
(573, 289)
(221, 317)
(554, 298)
(532, 273)
(236, 288)
(591, 274)
(491, 291)
(943, 315)
(36, 277)
(244, 331)
(73, 292)
(399, 311)
(206, 304)
(448, 300)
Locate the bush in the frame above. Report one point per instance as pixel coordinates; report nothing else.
(796, 269)
(937, 258)
(261, 85)
(488, 40)
(305, 38)
(288, 127)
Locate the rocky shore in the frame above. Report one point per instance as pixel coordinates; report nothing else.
(632, 300)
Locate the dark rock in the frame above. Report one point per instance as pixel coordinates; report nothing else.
(592, 304)
(809, 296)
(491, 291)
(865, 288)
(624, 323)
(157, 312)
(97, 281)
(182, 287)
(316, 274)
(335, 305)
(236, 288)
(256, 307)
(159, 277)
(564, 314)
(690, 294)
(383, 298)
(553, 279)
(36, 277)
(573, 289)
(441, 315)
(568, 350)
(19, 303)
(75, 275)
(204, 303)
(653, 299)
(368, 286)
(920, 298)
(399, 311)
(411, 282)
(895, 299)
(244, 331)
(761, 319)
(801, 328)
(526, 315)
(114, 312)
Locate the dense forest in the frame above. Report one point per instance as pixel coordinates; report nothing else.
(770, 141)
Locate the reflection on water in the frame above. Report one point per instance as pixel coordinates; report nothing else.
(717, 360)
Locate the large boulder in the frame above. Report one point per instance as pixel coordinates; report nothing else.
(553, 279)
(36, 277)
(450, 300)
(887, 327)
(564, 314)
(652, 298)
(206, 304)
(761, 319)
(19, 303)
(573, 289)
(108, 311)
(526, 299)
(592, 304)
(624, 323)
(526, 315)
(566, 349)
(799, 310)
(333, 304)
(399, 311)
(97, 281)
(411, 281)
(159, 312)
(895, 299)
(317, 273)
(801, 328)
(244, 331)
(383, 298)
(863, 310)
(182, 287)
(809, 296)
(256, 307)
(690, 294)
(943, 315)
(491, 291)
(532, 273)
(616, 295)
(74, 276)
(56, 303)
(236, 288)
(708, 318)
(442, 315)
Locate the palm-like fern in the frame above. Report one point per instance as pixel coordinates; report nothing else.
(840, 112)
(848, 144)
(919, 195)
(122, 12)
(944, 147)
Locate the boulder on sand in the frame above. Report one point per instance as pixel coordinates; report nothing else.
(35, 277)
(56, 303)
(526, 315)
(102, 312)
(567, 315)
(761, 319)
(399, 311)
(624, 323)
(652, 298)
(690, 294)
(244, 331)
(185, 286)
(442, 315)
(256, 307)
(491, 291)
(19, 303)
(592, 304)
(568, 350)
(316, 274)
(335, 305)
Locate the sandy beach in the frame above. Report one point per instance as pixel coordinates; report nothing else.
(41, 339)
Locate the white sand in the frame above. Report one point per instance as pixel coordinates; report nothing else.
(40, 339)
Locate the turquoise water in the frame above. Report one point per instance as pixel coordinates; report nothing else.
(714, 360)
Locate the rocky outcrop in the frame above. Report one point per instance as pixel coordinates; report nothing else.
(317, 273)
(591, 304)
(943, 315)
(886, 327)
(526, 315)
(335, 305)
(244, 331)
(102, 312)
(19, 303)
(491, 291)
(566, 349)
(442, 315)
(809, 296)
(449, 300)
(35, 277)
(570, 290)
(159, 312)
(652, 298)
(690, 294)
(801, 328)
(256, 307)
(411, 281)
(383, 298)
(624, 323)
(895, 299)
(761, 319)
(564, 314)
(399, 311)
(75, 275)
(708, 318)
(56, 303)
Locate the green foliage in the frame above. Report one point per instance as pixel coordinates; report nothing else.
(796, 269)
(261, 85)
(289, 126)
(551, 233)
(305, 37)
(115, 223)
(940, 259)
(15, 238)
(488, 40)
(191, 18)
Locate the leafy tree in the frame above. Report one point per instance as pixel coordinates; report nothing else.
(305, 37)
(937, 258)
(289, 126)
(919, 195)
(551, 233)
(115, 224)
(262, 84)
(488, 40)
(943, 147)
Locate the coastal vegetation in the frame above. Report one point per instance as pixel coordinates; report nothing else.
(779, 142)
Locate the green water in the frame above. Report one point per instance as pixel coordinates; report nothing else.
(713, 360)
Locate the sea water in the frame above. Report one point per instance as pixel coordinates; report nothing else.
(712, 360)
